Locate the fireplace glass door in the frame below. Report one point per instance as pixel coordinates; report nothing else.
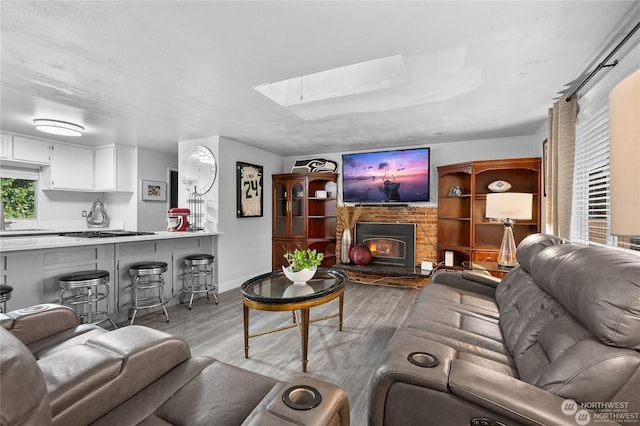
(387, 248)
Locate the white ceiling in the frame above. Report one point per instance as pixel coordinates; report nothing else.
(150, 73)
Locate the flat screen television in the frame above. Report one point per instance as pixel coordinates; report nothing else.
(394, 176)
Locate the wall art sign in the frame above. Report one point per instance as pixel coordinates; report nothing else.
(315, 165)
(249, 190)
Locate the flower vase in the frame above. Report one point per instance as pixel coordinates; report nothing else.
(345, 245)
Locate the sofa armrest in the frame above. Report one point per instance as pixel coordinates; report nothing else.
(333, 409)
(40, 321)
(473, 281)
(510, 397)
(396, 368)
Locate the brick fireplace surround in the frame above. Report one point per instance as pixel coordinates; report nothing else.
(426, 221)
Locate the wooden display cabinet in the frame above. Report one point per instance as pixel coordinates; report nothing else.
(304, 215)
(462, 225)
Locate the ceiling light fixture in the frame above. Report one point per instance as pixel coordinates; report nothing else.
(58, 127)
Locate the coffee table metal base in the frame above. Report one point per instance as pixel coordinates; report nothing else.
(301, 319)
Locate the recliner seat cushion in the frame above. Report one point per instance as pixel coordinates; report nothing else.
(459, 300)
(468, 328)
(502, 357)
(222, 392)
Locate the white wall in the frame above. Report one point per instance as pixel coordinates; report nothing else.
(244, 248)
(211, 198)
(453, 152)
(152, 165)
(539, 137)
(66, 205)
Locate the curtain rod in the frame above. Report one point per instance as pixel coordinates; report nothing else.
(604, 64)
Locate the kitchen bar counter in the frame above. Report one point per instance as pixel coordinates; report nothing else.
(37, 242)
(32, 264)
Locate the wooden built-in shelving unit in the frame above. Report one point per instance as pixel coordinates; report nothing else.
(462, 225)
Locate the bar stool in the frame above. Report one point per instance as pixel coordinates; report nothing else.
(82, 291)
(198, 277)
(5, 294)
(147, 280)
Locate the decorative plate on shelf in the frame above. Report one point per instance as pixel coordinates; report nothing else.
(499, 186)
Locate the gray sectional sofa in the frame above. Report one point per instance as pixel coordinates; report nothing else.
(555, 342)
(54, 370)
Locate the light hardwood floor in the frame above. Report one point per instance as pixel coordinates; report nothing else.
(371, 315)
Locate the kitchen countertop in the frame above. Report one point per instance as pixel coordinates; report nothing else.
(39, 241)
(11, 233)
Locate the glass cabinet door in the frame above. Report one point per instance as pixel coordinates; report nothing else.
(297, 208)
(281, 209)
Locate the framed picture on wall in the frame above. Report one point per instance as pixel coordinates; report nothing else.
(154, 190)
(249, 188)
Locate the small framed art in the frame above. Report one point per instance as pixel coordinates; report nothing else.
(154, 190)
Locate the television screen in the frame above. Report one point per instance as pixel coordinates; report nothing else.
(400, 175)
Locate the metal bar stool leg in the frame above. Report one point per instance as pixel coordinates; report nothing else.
(81, 291)
(162, 300)
(147, 279)
(198, 277)
(5, 294)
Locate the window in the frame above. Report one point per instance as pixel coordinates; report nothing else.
(18, 191)
(591, 207)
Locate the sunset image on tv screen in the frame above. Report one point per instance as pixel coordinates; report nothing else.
(386, 176)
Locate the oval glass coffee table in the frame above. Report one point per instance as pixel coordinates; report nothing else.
(274, 292)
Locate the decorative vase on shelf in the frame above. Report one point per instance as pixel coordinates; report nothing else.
(299, 277)
(345, 245)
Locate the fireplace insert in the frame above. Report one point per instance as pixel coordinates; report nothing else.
(391, 244)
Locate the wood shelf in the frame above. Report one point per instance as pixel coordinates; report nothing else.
(301, 221)
(462, 225)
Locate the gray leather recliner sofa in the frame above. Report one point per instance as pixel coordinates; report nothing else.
(555, 342)
(54, 370)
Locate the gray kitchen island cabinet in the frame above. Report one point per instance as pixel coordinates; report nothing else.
(32, 265)
(172, 252)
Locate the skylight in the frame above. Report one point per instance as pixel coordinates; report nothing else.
(363, 77)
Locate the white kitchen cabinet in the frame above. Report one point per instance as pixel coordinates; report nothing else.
(31, 150)
(71, 168)
(5, 146)
(114, 168)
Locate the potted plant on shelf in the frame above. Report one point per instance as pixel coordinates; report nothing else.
(302, 265)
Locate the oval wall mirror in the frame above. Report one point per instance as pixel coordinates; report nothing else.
(199, 169)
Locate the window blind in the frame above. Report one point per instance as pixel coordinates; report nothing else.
(590, 222)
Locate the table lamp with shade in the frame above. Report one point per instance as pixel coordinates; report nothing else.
(508, 206)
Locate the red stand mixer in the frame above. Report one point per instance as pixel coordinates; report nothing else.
(178, 220)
